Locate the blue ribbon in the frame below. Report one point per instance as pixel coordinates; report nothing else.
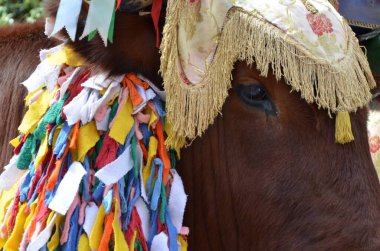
(72, 242)
(157, 186)
(62, 141)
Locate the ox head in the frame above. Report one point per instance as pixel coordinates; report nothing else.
(267, 175)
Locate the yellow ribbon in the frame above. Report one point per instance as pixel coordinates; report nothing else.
(153, 143)
(120, 242)
(87, 138)
(54, 240)
(66, 56)
(36, 111)
(123, 123)
(97, 231)
(14, 240)
(84, 244)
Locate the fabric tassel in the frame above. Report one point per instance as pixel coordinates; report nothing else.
(343, 131)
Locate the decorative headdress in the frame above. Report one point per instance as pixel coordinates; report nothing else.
(307, 43)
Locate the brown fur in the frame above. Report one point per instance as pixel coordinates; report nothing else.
(258, 182)
(280, 183)
(19, 48)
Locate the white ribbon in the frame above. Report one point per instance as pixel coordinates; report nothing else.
(90, 217)
(146, 95)
(85, 111)
(43, 237)
(45, 73)
(73, 109)
(160, 242)
(112, 90)
(103, 125)
(177, 201)
(67, 189)
(10, 175)
(102, 80)
(157, 90)
(143, 211)
(99, 18)
(116, 170)
(140, 161)
(67, 17)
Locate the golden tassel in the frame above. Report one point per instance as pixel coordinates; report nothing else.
(343, 131)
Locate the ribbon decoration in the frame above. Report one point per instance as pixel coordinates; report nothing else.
(81, 189)
(156, 11)
(99, 18)
(67, 17)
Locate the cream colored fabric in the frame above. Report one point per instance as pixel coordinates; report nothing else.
(307, 43)
(323, 34)
(374, 138)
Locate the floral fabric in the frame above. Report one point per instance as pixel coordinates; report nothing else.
(374, 138)
(323, 33)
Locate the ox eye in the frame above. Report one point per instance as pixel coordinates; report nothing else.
(256, 96)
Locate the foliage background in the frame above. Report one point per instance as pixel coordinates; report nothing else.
(12, 11)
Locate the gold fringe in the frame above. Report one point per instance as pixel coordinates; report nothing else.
(363, 24)
(339, 86)
(343, 131)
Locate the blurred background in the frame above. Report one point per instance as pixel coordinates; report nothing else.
(12, 11)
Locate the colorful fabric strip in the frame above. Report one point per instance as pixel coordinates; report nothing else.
(71, 186)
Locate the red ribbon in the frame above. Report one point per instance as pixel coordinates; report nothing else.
(156, 11)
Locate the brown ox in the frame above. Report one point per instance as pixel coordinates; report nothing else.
(268, 174)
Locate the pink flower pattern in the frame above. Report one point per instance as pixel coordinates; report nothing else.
(374, 144)
(320, 24)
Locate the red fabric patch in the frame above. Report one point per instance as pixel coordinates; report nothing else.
(374, 144)
(107, 153)
(320, 24)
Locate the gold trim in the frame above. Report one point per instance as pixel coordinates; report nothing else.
(310, 7)
(363, 24)
(342, 86)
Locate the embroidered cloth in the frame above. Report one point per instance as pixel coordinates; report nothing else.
(307, 43)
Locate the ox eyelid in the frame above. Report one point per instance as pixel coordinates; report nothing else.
(255, 95)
